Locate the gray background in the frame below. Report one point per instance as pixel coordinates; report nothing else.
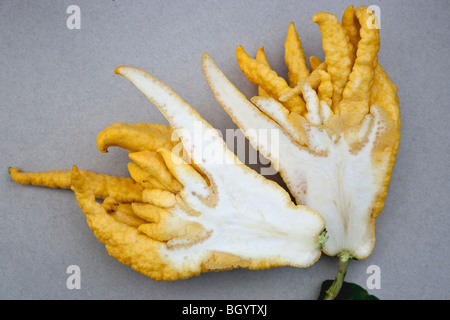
(58, 90)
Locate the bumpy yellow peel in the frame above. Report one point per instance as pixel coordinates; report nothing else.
(123, 189)
(337, 155)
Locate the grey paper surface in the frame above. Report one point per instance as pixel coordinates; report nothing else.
(58, 90)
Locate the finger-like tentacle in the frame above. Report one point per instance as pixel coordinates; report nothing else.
(153, 163)
(313, 80)
(144, 178)
(325, 89)
(351, 26)
(135, 137)
(357, 92)
(385, 145)
(262, 75)
(52, 179)
(337, 50)
(294, 57)
(312, 105)
(158, 197)
(123, 189)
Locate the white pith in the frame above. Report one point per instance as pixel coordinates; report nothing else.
(249, 216)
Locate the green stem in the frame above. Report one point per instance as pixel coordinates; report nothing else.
(333, 291)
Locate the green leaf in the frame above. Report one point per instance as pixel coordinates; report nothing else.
(349, 291)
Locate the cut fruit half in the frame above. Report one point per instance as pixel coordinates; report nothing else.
(336, 155)
(181, 215)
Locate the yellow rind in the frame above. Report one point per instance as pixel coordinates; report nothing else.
(122, 189)
(135, 137)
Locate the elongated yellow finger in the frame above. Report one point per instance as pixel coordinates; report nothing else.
(158, 197)
(123, 189)
(358, 90)
(261, 57)
(351, 27)
(294, 57)
(338, 52)
(153, 163)
(289, 121)
(262, 75)
(135, 137)
(187, 175)
(148, 212)
(52, 179)
(313, 79)
(122, 212)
